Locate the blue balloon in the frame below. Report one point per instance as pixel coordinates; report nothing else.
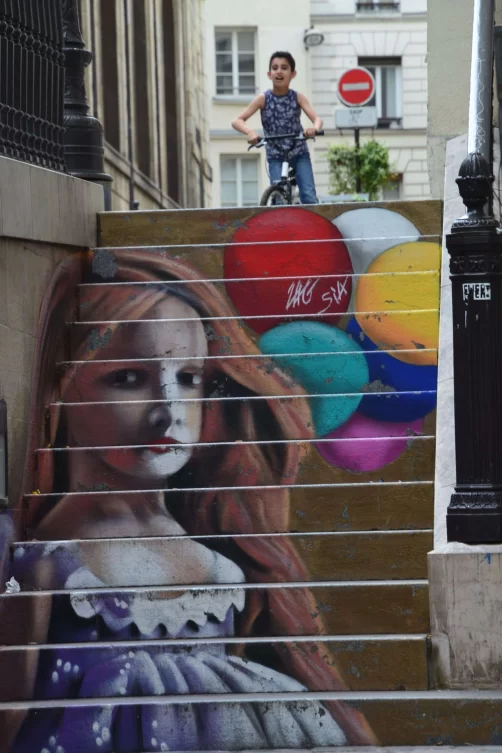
(336, 367)
(389, 375)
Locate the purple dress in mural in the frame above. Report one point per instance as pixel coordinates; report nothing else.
(133, 664)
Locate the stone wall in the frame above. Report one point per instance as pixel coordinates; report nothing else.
(44, 217)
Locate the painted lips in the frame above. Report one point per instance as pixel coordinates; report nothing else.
(162, 445)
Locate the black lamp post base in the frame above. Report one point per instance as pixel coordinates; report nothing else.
(475, 517)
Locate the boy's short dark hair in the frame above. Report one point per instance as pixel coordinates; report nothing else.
(286, 55)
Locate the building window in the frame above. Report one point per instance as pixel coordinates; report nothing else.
(387, 73)
(235, 62)
(141, 101)
(109, 73)
(239, 181)
(377, 5)
(171, 97)
(393, 190)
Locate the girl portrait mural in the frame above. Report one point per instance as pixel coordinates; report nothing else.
(168, 432)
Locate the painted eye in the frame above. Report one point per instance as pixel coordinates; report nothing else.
(127, 378)
(189, 378)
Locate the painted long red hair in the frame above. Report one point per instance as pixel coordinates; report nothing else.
(277, 611)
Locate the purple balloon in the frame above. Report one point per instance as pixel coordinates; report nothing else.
(363, 444)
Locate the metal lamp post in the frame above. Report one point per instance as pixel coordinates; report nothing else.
(475, 246)
(83, 145)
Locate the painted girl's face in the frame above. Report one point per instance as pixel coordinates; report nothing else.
(174, 380)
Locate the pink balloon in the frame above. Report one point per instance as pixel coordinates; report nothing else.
(370, 444)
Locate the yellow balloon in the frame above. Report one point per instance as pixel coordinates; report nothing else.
(397, 301)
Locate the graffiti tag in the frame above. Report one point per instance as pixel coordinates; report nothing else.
(335, 294)
(478, 291)
(300, 293)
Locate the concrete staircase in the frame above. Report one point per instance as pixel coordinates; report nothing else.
(273, 592)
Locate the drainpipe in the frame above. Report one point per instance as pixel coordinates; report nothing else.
(481, 93)
(3, 456)
(475, 247)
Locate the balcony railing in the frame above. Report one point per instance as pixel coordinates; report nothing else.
(376, 5)
(32, 81)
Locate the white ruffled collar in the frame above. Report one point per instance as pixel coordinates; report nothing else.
(148, 615)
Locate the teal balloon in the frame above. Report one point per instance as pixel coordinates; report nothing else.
(324, 361)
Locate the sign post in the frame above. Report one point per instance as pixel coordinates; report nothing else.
(356, 88)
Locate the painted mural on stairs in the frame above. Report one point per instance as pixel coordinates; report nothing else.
(188, 448)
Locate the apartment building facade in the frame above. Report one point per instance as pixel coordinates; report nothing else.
(240, 37)
(147, 87)
(389, 38)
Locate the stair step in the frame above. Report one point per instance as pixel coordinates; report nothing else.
(345, 607)
(418, 718)
(328, 556)
(403, 749)
(90, 369)
(91, 339)
(171, 227)
(416, 463)
(353, 507)
(88, 292)
(322, 402)
(324, 408)
(364, 662)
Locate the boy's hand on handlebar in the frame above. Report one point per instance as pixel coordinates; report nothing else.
(310, 133)
(253, 138)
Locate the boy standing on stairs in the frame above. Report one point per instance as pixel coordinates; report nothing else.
(281, 109)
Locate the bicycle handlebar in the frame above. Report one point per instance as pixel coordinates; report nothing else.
(293, 136)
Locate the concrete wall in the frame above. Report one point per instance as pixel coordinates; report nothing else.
(449, 63)
(275, 29)
(349, 35)
(44, 218)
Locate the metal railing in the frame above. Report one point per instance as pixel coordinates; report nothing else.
(44, 113)
(32, 82)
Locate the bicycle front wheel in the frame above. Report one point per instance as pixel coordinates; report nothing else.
(275, 196)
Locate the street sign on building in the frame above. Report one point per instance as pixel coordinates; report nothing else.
(356, 87)
(356, 117)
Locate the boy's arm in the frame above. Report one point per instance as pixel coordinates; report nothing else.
(311, 114)
(240, 122)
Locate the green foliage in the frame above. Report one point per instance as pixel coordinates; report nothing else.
(375, 169)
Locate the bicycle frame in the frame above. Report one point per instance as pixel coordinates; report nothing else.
(286, 181)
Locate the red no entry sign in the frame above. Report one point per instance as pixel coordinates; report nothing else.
(356, 87)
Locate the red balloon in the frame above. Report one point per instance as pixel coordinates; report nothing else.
(295, 244)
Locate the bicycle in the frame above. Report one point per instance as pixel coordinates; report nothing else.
(281, 192)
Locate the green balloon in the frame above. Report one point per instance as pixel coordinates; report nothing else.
(324, 361)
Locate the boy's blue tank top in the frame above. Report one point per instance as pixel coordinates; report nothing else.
(282, 115)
